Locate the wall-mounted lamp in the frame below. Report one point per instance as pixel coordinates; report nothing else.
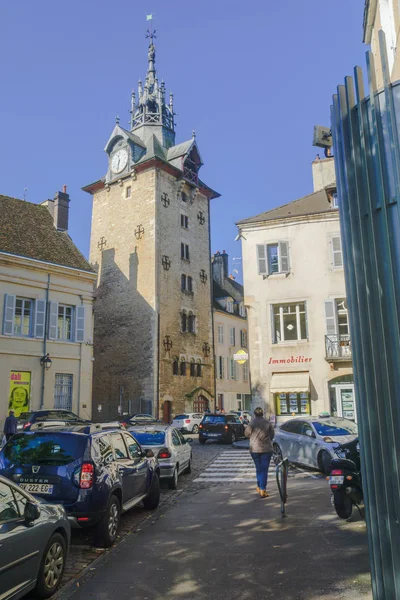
(46, 361)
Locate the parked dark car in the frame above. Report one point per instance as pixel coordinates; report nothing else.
(26, 419)
(34, 542)
(95, 474)
(225, 428)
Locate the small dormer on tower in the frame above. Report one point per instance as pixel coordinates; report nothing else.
(151, 114)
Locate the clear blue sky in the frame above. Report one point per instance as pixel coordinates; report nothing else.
(251, 77)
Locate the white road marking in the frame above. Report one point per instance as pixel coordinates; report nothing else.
(232, 466)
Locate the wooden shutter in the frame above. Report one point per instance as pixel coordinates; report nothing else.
(9, 311)
(53, 317)
(330, 317)
(262, 259)
(337, 252)
(40, 318)
(80, 324)
(283, 257)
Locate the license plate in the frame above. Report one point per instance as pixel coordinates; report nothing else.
(336, 479)
(213, 434)
(37, 488)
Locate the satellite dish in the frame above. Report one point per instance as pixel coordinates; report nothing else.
(322, 137)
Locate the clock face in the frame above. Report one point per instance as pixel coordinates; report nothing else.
(119, 161)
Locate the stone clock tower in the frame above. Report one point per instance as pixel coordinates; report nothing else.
(150, 241)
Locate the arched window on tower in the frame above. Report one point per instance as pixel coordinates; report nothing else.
(198, 368)
(192, 368)
(175, 367)
(183, 283)
(191, 324)
(183, 321)
(182, 367)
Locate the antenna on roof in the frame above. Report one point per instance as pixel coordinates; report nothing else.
(25, 191)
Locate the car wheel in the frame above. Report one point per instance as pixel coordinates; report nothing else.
(202, 441)
(233, 437)
(343, 504)
(107, 528)
(195, 429)
(324, 461)
(278, 456)
(173, 482)
(52, 566)
(189, 467)
(152, 499)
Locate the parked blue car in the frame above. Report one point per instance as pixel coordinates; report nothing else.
(95, 474)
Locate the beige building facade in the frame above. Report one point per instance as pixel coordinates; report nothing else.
(150, 244)
(299, 339)
(46, 307)
(231, 339)
(385, 15)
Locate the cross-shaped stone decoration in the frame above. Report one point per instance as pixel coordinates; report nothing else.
(166, 263)
(139, 232)
(102, 242)
(201, 218)
(203, 276)
(206, 349)
(165, 199)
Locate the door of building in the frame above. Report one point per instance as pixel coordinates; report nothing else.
(167, 411)
(200, 405)
(345, 402)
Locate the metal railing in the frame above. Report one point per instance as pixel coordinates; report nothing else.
(281, 480)
(338, 346)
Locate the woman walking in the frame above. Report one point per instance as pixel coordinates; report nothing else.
(261, 433)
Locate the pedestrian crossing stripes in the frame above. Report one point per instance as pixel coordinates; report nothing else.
(232, 466)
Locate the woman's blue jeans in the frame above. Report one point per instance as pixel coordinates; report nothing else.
(262, 460)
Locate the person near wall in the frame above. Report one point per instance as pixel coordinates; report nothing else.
(261, 433)
(10, 425)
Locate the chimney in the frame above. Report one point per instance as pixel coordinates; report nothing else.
(323, 172)
(225, 261)
(220, 267)
(61, 209)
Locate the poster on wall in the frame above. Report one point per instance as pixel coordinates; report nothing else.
(20, 392)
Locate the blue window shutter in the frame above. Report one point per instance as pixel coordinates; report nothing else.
(53, 317)
(9, 311)
(40, 318)
(284, 257)
(80, 324)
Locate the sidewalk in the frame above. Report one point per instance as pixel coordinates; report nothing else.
(226, 542)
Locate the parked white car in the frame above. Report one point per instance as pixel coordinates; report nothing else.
(188, 422)
(172, 450)
(311, 441)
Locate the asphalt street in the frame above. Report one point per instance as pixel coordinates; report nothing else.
(222, 540)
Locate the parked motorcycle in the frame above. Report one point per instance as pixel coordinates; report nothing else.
(345, 479)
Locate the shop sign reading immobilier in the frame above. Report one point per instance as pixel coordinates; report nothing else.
(289, 361)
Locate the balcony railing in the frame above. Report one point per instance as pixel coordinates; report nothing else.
(338, 347)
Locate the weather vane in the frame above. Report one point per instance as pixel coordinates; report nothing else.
(150, 33)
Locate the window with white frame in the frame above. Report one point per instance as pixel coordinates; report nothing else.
(184, 221)
(243, 338)
(220, 334)
(334, 201)
(232, 336)
(289, 322)
(229, 306)
(245, 371)
(221, 370)
(63, 391)
(64, 322)
(23, 316)
(336, 317)
(242, 310)
(185, 255)
(337, 256)
(273, 258)
(232, 368)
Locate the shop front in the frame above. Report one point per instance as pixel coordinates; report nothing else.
(341, 397)
(291, 394)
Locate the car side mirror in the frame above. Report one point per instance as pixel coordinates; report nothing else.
(31, 512)
(149, 453)
(310, 433)
(189, 441)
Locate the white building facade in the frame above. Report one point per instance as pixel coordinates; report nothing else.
(299, 342)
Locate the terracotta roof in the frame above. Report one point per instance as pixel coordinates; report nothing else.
(315, 203)
(27, 229)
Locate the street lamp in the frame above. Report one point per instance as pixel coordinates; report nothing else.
(46, 361)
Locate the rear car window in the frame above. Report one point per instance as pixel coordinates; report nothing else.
(44, 449)
(149, 438)
(214, 419)
(182, 417)
(332, 428)
(25, 416)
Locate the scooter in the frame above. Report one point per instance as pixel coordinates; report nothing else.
(345, 479)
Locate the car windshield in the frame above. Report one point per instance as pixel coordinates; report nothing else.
(214, 419)
(24, 416)
(149, 438)
(43, 449)
(333, 427)
(181, 417)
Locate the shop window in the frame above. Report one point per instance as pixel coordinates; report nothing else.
(289, 322)
(292, 404)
